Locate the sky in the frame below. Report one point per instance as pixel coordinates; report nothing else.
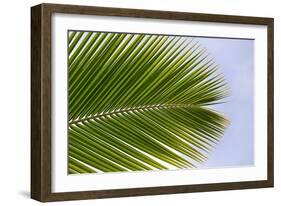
(236, 60)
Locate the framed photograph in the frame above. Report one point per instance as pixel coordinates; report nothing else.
(130, 102)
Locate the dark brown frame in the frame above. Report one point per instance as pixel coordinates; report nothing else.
(41, 101)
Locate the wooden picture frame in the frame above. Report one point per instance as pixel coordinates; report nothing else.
(41, 96)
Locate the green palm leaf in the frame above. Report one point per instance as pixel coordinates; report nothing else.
(140, 102)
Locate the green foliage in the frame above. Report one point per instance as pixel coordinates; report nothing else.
(140, 102)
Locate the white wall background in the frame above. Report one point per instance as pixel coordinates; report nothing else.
(15, 102)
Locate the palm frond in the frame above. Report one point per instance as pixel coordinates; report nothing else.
(139, 102)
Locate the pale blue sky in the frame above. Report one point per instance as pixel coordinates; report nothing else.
(236, 60)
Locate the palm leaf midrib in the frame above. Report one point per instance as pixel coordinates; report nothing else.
(131, 109)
